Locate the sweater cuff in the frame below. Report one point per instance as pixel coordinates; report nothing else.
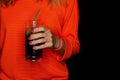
(67, 53)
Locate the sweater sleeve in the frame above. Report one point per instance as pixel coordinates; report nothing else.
(0, 43)
(0, 30)
(2, 35)
(70, 30)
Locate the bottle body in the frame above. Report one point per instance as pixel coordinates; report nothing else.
(31, 54)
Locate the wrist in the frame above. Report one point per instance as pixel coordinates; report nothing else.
(59, 45)
(56, 41)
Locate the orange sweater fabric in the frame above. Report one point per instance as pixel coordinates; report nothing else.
(62, 20)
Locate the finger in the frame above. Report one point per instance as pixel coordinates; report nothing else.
(39, 41)
(43, 46)
(49, 44)
(37, 35)
(48, 32)
(48, 39)
(39, 29)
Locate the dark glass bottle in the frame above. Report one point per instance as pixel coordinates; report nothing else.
(32, 55)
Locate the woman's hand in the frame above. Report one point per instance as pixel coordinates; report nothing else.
(42, 36)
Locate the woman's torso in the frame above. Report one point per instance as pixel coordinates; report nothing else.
(14, 20)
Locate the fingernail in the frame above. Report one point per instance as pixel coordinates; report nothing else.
(32, 30)
(34, 48)
(30, 43)
(29, 38)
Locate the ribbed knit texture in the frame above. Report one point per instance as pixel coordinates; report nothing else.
(61, 20)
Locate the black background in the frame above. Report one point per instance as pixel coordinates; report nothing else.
(78, 65)
(96, 34)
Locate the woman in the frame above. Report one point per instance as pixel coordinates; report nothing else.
(59, 25)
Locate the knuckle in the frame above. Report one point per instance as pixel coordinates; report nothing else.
(50, 39)
(42, 28)
(39, 34)
(43, 40)
(38, 41)
(51, 44)
(50, 34)
(44, 34)
(37, 29)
